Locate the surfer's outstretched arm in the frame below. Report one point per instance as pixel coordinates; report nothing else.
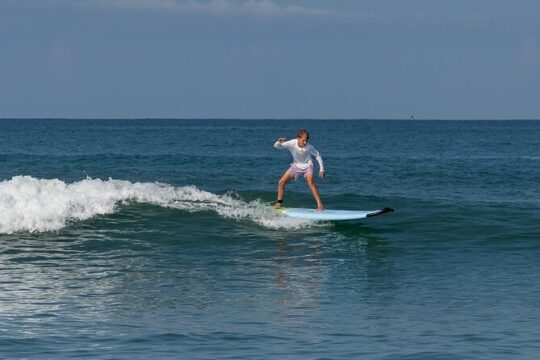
(282, 144)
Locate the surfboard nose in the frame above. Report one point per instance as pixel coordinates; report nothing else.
(382, 211)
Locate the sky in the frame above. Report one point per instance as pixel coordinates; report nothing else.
(278, 59)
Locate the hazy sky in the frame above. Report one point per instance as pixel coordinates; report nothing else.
(453, 59)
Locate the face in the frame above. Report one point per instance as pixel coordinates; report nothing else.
(302, 140)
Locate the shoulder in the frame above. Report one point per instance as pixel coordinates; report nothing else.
(290, 143)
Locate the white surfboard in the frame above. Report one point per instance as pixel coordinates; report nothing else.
(331, 215)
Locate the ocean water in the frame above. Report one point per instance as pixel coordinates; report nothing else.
(130, 239)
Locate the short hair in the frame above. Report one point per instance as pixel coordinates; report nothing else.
(301, 132)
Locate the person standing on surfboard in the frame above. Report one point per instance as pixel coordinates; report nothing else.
(302, 165)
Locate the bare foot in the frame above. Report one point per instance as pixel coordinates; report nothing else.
(277, 205)
(320, 208)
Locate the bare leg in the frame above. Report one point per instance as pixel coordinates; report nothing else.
(315, 192)
(281, 187)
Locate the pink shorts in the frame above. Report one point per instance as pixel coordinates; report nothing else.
(297, 172)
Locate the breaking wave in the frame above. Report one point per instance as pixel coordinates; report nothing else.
(37, 205)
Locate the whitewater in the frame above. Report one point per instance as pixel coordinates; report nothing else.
(39, 205)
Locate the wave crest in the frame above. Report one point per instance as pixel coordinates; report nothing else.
(37, 205)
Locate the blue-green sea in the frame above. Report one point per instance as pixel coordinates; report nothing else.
(137, 239)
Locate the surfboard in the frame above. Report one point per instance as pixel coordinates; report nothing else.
(331, 215)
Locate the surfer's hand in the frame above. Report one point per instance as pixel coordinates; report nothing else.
(322, 174)
(281, 140)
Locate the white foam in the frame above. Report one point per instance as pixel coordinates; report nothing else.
(36, 205)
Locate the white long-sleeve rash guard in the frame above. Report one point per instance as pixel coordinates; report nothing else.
(301, 156)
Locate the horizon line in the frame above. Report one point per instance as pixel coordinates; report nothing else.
(264, 119)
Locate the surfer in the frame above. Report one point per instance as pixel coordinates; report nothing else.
(302, 165)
